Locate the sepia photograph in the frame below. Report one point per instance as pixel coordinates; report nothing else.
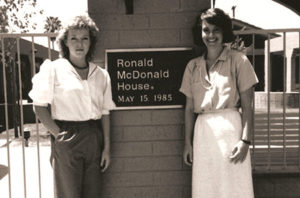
(149, 99)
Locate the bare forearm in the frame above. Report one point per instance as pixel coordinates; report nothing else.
(105, 120)
(44, 116)
(247, 119)
(189, 122)
(247, 113)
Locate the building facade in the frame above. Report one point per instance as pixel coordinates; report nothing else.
(147, 144)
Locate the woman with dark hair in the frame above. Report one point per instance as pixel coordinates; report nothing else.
(217, 84)
(78, 93)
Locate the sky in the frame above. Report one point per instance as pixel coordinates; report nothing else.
(265, 14)
(63, 9)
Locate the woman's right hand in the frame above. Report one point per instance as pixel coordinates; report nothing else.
(59, 135)
(188, 154)
(189, 117)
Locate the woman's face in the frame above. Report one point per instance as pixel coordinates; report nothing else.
(212, 35)
(78, 42)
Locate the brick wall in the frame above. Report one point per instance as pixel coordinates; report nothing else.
(154, 23)
(146, 144)
(147, 155)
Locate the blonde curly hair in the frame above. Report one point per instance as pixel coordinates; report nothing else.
(78, 22)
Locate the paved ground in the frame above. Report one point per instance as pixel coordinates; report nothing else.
(31, 165)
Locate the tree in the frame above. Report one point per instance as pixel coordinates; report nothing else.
(15, 15)
(52, 25)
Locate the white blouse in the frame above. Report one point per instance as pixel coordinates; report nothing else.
(231, 75)
(70, 97)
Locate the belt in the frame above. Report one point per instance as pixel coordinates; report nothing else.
(218, 110)
(77, 122)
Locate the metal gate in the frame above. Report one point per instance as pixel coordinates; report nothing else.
(25, 145)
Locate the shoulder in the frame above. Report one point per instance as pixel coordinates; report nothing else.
(195, 60)
(237, 56)
(194, 63)
(46, 66)
(60, 61)
(99, 70)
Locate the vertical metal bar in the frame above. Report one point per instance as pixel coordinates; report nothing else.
(269, 100)
(6, 115)
(212, 3)
(253, 115)
(33, 55)
(49, 48)
(284, 100)
(21, 112)
(299, 103)
(37, 125)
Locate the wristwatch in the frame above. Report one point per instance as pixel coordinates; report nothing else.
(246, 141)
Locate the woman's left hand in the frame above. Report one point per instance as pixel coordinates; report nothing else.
(239, 152)
(105, 160)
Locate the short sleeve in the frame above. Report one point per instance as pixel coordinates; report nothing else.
(186, 84)
(108, 103)
(246, 76)
(43, 85)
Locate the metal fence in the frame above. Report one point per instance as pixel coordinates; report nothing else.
(15, 84)
(276, 138)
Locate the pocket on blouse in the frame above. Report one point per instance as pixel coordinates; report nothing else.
(196, 87)
(198, 92)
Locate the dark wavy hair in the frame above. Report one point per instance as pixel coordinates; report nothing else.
(217, 17)
(78, 22)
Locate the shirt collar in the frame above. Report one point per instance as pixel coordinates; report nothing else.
(92, 68)
(224, 54)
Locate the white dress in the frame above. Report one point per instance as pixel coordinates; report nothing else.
(216, 96)
(214, 176)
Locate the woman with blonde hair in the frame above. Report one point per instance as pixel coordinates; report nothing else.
(78, 93)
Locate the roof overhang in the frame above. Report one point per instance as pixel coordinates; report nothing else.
(293, 5)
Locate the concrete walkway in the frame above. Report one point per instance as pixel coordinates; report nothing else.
(31, 163)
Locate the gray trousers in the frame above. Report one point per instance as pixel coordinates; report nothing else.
(75, 158)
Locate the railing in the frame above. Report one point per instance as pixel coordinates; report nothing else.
(275, 139)
(276, 136)
(12, 108)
